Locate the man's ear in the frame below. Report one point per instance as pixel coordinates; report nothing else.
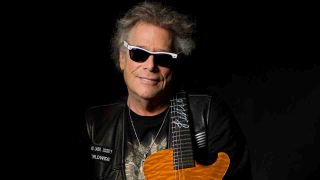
(122, 60)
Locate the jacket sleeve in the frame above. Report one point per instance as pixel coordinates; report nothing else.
(224, 134)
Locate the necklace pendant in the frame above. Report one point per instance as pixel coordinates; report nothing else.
(143, 159)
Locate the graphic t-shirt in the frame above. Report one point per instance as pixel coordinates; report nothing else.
(146, 128)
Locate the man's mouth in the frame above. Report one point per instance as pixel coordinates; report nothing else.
(151, 81)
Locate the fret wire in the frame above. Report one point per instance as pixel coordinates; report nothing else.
(187, 164)
(184, 166)
(187, 150)
(183, 131)
(186, 143)
(186, 139)
(187, 161)
(185, 158)
(186, 154)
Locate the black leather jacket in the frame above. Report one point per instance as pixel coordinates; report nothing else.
(107, 129)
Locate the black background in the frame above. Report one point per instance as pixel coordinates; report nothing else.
(261, 57)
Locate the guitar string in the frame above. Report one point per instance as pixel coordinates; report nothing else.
(171, 126)
(177, 173)
(177, 139)
(180, 145)
(173, 136)
(177, 154)
(154, 140)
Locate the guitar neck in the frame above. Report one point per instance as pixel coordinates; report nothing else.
(181, 136)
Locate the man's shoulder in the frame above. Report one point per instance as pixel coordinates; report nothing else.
(105, 112)
(112, 106)
(205, 99)
(102, 119)
(205, 95)
(106, 107)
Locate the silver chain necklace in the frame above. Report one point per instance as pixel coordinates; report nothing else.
(153, 141)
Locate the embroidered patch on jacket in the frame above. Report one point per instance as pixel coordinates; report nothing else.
(101, 153)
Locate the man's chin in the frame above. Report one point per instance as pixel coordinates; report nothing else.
(149, 95)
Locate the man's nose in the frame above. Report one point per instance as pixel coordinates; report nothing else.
(149, 63)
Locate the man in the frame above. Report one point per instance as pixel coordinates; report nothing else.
(156, 116)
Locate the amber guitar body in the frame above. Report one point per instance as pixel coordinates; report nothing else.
(159, 166)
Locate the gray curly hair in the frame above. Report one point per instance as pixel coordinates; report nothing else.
(158, 14)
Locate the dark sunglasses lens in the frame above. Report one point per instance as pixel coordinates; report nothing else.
(138, 55)
(163, 60)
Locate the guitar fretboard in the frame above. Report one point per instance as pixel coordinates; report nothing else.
(181, 136)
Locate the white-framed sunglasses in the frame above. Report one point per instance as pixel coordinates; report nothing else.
(138, 54)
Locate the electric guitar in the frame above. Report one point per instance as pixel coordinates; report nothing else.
(178, 162)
